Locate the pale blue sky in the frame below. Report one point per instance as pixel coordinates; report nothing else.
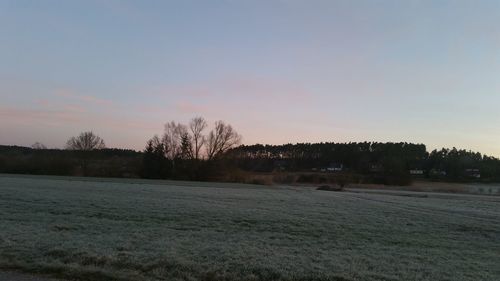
(279, 71)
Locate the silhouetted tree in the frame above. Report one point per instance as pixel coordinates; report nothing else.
(38, 145)
(182, 145)
(186, 147)
(197, 126)
(172, 139)
(221, 139)
(155, 163)
(86, 141)
(84, 144)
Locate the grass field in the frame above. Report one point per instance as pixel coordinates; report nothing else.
(146, 230)
(445, 187)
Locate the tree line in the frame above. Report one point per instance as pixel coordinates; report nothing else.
(188, 152)
(370, 158)
(104, 162)
(197, 151)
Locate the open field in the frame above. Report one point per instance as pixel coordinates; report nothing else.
(446, 187)
(17, 276)
(420, 184)
(147, 230)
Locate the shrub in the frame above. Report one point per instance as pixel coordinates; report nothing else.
(284, 178)
(330, 188)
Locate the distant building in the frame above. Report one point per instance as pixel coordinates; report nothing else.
(437, 173)
(376, 168)
(417, 172)
(473, 173)
(335, 167)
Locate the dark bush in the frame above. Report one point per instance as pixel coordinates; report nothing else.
(330, 188)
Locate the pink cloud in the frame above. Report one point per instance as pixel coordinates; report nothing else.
(71, 95)
(235, 87)
(37, 116)
(58, 105)
(265, 88)
(190, 107)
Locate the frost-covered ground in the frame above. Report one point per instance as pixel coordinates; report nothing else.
(141, 230)
(445, 187)
(16, 276)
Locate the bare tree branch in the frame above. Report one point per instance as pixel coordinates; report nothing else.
(86, 141)
(38, 145)
(222, 138)
(172, 139)
(196, 126)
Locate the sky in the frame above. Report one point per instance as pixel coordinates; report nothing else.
(281, 71)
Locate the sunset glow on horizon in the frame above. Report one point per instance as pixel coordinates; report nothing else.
(281, 71)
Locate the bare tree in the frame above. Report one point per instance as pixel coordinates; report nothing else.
(222, 138)
(38, 145)
(196, 126)
(86, 141)
(157, 144)
(172, 139)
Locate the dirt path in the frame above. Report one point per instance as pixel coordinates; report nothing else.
(15, 276)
